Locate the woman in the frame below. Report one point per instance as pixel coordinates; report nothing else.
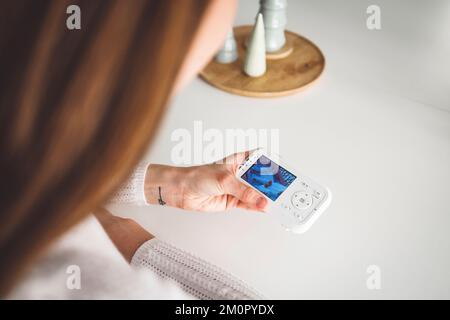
(78, 109)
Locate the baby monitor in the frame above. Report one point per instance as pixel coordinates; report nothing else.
(296, 200)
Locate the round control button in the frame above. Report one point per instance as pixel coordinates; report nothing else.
(301, 200)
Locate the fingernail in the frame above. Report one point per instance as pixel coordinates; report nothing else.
(261, 202)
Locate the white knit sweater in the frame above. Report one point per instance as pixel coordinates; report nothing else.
(158, 269)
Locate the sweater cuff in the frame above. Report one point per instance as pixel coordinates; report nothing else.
(133, 190)
(142, 252)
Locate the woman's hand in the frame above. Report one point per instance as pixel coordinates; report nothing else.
(212, 187)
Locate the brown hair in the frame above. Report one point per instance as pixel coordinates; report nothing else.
(78, 109)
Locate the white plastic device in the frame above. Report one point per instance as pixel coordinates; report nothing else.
(296, 200)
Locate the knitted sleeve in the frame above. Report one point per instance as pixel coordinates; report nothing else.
(197, 277)
(132, 191)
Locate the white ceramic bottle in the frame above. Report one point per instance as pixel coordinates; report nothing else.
(228, 53)
(274, 13)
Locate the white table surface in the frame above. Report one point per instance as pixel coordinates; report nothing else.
(375, 129)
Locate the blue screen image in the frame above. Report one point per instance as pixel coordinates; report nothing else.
(268, 177)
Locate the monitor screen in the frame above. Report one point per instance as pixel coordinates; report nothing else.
(268, 177)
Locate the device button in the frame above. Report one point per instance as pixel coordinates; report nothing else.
(317, 194)
(301, 200)
(304, 184)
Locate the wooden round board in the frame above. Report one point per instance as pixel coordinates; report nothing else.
(283, 76)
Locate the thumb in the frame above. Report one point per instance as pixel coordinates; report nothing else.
(247, 195)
